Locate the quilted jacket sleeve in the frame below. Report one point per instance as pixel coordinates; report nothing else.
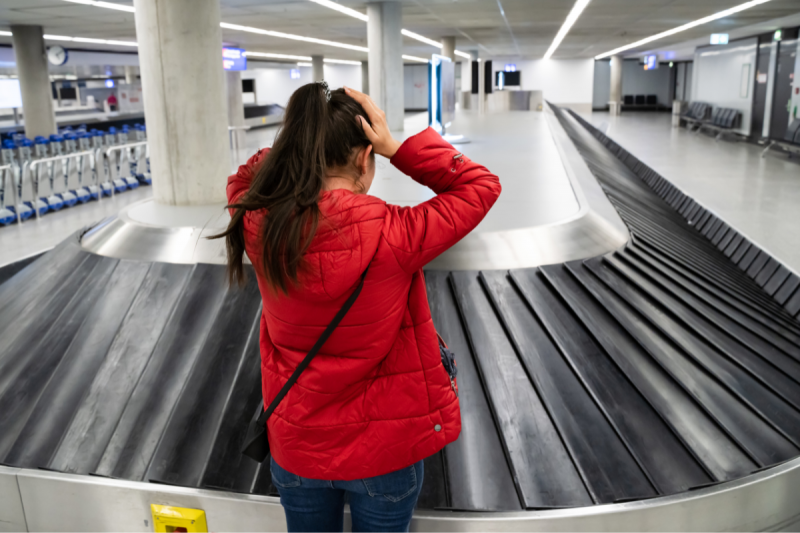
(465, 191)
(239, 183)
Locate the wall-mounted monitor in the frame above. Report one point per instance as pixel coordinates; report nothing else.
(234, 59)
(504, 79)
(248, 86)
(68, 93)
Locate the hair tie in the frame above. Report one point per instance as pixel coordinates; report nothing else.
(324, 86)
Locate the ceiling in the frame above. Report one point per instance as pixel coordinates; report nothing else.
(526, 31)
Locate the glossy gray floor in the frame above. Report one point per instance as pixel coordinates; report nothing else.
(759, 197)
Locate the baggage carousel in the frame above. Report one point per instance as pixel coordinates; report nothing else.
(647, 379)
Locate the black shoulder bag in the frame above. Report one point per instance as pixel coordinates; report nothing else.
(256, 444)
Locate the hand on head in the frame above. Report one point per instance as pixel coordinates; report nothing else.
(378, 134)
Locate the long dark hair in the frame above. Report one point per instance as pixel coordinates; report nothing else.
(319, 131)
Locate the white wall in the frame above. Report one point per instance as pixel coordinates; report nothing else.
(720, 73)
(274, 84)
(795, 110)
(637, 80)
(562, 81)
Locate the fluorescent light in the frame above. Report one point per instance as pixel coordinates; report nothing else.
(302, 64)
(574, 13)
(6, 33)
(107, 5)
(361, 16)
(412, 58)
(276, 56)
(673, 31)
(340, 8)
(341, 61)
(250, 29)
(89, 40)
(420, 38)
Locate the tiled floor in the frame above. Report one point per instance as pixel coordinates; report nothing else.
(759, 197)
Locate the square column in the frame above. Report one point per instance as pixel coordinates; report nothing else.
(385, 59)
(34, 80)
(317, 68)
(180, 47)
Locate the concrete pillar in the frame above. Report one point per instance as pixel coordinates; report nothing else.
(615, 94)
(317, 68)
(238, 141)
(183, 86)
(365, 77)
(449, 48)
(34, 80)
(385, 59)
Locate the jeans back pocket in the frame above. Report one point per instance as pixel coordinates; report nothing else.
(393, 486)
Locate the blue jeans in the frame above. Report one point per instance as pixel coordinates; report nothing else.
(382, 503)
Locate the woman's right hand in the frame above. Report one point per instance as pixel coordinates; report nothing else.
(378, 134)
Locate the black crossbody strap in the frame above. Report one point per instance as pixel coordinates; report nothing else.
(316, 348)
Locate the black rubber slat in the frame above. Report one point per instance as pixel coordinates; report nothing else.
(92, 426)
(661, 455)
(739, 367)
(20, 396)
(629, 339)
(227, 468)
(692, 290)
(433, 494)
(543, 470)
(141, 424)
(764, 444)
(478, 452)
(34, 310)
(10, 270)
(70, 382)
(787, 289)
(606, 465)
(189, 436)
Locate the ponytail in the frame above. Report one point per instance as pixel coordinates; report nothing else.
(319, 131)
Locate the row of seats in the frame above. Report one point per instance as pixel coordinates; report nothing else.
(790, 141)
(706, 116)
(640, 100)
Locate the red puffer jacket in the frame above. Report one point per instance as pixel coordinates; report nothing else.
(376, 398)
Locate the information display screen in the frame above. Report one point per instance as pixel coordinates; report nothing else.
(234, 59)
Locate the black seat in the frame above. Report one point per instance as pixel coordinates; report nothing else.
(628, 99)
(792, 130)
(640, 99)
(652, 99)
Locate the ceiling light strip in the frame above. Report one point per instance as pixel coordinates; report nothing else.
(107, 5)
(66, 38)
(342, 9)
(420, 38)
(250, 29)
(673, 31)
(574, 13)
(414, 58)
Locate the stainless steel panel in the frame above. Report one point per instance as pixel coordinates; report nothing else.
(68, 502)
(594, 230)
(764, 501)
(12, 515)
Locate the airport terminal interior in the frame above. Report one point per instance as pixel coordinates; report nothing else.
(625, 320)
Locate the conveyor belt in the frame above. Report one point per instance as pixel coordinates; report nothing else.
(668, 365)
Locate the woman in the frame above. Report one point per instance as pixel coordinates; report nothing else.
(376, 400)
